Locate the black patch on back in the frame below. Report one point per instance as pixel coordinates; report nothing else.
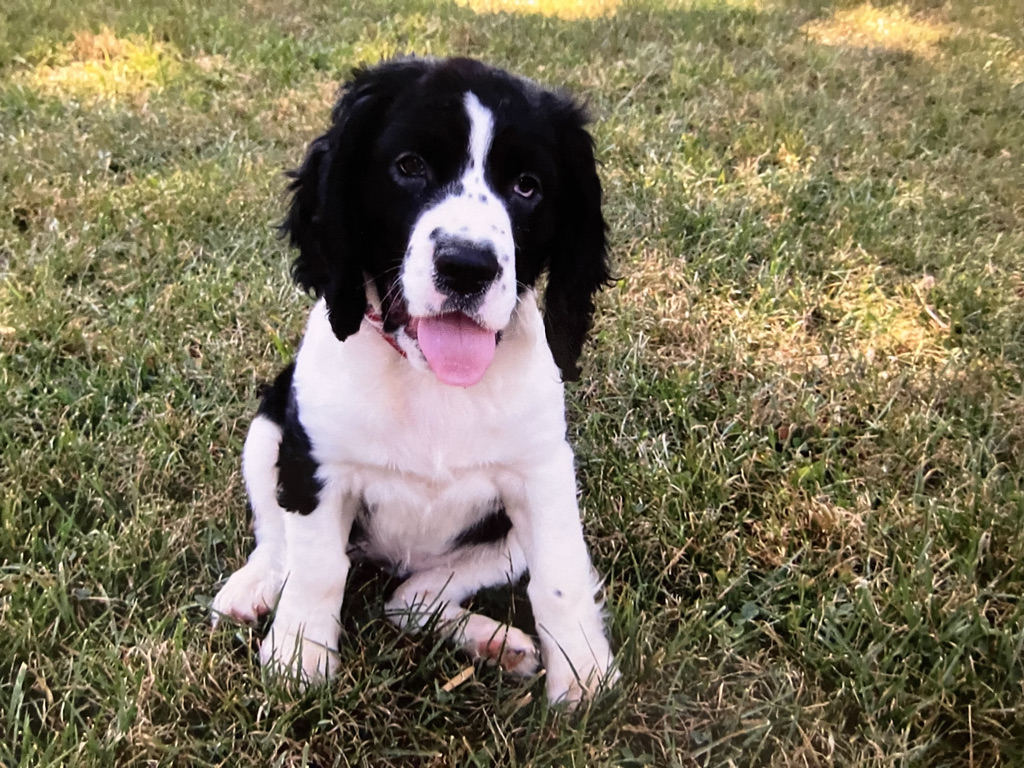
(491, 528)
(298, 488)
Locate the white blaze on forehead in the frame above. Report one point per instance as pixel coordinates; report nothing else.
(481, 131)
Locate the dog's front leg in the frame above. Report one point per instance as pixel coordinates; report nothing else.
(303, 639)
(253, 589)
(564, 590)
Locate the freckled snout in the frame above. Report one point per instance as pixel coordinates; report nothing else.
(464, 269)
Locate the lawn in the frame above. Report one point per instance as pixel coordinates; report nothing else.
(800, 426)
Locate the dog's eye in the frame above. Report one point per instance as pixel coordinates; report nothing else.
(411, 165)
(526, 186)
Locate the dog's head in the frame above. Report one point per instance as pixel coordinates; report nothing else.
(446, 188)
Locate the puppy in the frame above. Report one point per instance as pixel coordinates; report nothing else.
(422, 424)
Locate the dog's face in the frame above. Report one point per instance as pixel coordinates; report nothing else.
(450, 187)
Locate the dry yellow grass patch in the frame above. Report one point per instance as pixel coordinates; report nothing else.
(892, 28)
(813, 520)
(865, 324)
(101, 46)
(103, 67)
(563, 9)
(857, 322)
(304, 111)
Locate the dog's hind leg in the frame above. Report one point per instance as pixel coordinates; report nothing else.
(437, 595)
(252, 591)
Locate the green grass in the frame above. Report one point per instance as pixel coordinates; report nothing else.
(800, 429)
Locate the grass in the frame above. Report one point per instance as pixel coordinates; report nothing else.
(800, 429)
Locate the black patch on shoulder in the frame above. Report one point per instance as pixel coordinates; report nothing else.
(491, 528)
(274, 397)
(298, 488)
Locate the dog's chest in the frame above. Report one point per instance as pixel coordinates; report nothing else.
(422, 476)
(424, 461)
(423, 468)
(413, 524)
(390, 432)
(364, 406)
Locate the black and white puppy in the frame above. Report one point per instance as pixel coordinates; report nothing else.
(422, 425)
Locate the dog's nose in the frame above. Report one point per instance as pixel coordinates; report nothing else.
(464, 268)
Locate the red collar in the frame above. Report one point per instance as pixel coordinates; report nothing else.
(374, 318)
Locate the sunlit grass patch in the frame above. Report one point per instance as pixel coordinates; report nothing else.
(104, 67)
(890, 27)
(564, 9)
(896, 325)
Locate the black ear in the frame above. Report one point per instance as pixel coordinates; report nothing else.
(324, 214)
(578, 265)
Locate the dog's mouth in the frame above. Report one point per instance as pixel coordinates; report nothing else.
(457, 349)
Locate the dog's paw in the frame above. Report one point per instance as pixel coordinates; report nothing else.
(510, 648)
(250, 593)
(571, 681)
(304, 653)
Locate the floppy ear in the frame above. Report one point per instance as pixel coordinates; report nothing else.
(324, 214)
(578, 265)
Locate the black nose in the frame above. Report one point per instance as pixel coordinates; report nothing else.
(464, 268)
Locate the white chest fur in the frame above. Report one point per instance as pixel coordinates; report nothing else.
(426, 460)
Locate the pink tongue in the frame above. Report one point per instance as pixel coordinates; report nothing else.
(458, 350)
